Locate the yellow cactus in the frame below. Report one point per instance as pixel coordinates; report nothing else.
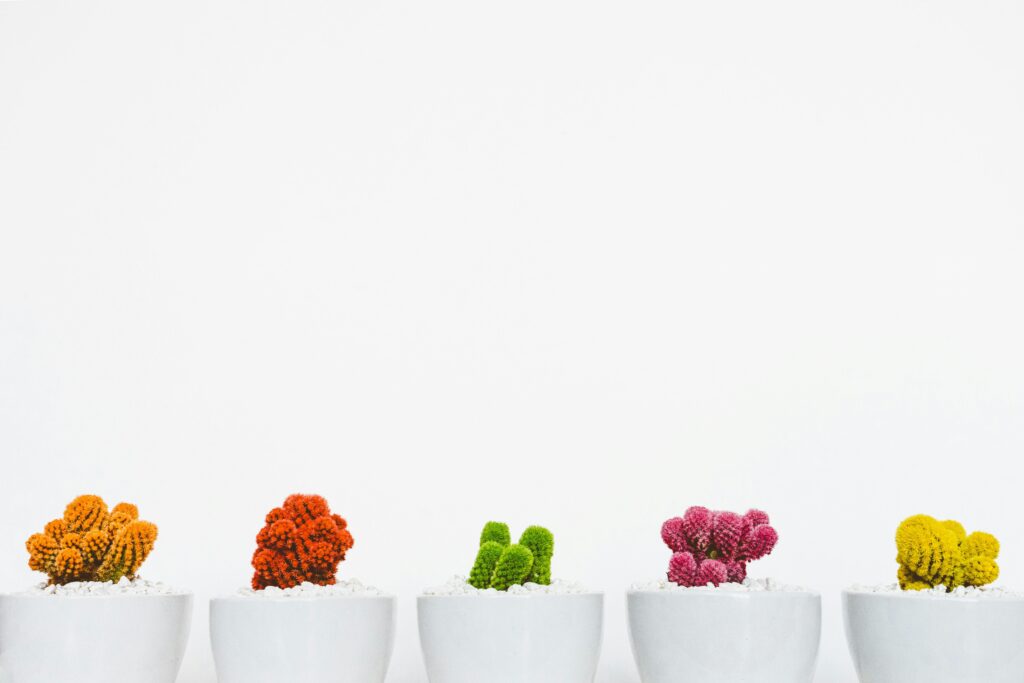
(932, 553)
(91, 543)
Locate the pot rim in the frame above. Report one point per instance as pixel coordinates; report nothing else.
(922, 596)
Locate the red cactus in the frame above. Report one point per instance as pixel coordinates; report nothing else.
(302, 541)
(714, 547)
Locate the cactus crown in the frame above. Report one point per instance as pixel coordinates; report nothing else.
(301, 541)
(710, 547)
(934, 553)
(501, 564)
(92, 543)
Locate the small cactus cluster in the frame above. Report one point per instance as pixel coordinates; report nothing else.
(711, 547)
(92, 543)
(301, 542)
(501, 563)
(934, 553)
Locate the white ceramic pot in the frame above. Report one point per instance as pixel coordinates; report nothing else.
(920, 638)
(511, 638)
(330, 639)
(708, 636)
(93, 639)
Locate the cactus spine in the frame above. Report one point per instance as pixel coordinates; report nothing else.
(501, 564)
(92, 543)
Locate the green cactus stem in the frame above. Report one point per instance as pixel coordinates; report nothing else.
(497, 532)
(486, 561)
(541, 543)
(513, 567)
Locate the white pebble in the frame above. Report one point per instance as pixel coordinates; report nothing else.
(352, 587)
(748, 586)
(993, 592)
(457, 585)
(103, 588)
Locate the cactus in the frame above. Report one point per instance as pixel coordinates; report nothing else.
(714, 547)
(91, 543)
(500, 563)
(513, 567)
(486, 561)
(934, 553)
(301, 541)
(541, 543)
(497, 532)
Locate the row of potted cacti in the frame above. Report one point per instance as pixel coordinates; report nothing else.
(509, 622)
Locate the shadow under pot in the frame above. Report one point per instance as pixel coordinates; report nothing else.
(323, 639)
(548, 638)
(912, 637)
(93, 638)
(722, 636)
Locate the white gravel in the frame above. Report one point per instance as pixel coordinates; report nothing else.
(991, 592)
(103, 588)
(352, 587)
(457, 585)
(748, 586)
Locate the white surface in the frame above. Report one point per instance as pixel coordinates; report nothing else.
(725, 636)
(302, 640)
(934, 639)
(578, 264)
(353, 587)
(94, 639)
(540, 638)
(457, 585)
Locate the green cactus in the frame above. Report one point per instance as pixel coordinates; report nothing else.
(486, 561)
(541, 543)
(499, 564)
(497, 532)
(513, 567)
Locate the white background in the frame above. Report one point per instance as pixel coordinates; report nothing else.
(580, 264)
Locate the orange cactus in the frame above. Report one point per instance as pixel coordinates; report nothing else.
(302, 541)
(91, 543)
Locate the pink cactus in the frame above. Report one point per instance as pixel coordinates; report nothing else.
(714, 547)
